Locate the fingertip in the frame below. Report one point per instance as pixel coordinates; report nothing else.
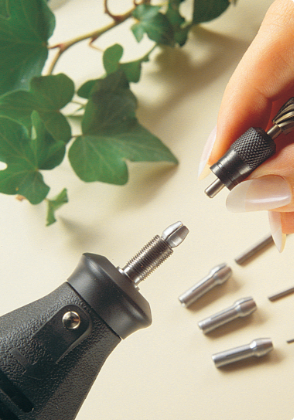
(287, 222)
(279, 237)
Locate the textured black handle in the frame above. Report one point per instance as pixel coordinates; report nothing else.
(52, 350)
(246, 154)
(46, 370)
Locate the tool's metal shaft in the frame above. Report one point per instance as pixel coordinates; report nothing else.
(257, 348)
(155, 252)
(218, 275)
(281, 294)
(253, 250)
(213, 189)
(240, 308)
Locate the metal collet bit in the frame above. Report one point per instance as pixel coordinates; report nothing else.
(217, 275)
(155, 252)
(257, 348)
(240, 308)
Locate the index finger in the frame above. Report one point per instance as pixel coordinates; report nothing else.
(263, 80)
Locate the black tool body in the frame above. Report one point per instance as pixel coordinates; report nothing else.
(47, 365)
(52, 350)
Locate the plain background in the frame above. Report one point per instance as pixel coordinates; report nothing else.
(164, 372)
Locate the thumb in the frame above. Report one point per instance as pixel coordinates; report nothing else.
(269, 187)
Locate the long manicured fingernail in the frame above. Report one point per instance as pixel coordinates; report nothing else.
(266, 193)
(275, 222)
(203, 169)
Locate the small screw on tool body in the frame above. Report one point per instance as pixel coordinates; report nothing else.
(241, 308)
(249, 151)
(155, 252)
(218, 275)
(257, 348)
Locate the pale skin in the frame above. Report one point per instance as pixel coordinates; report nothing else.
(261, 84)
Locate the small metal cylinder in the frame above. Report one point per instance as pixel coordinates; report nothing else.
(218, 275)
(253, 250)
(213, 189)
(257, 348)
(240, 308)
(281, 294)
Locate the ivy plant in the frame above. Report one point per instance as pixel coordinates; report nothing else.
(35, 134)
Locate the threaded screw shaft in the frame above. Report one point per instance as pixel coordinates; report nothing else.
(155, 252)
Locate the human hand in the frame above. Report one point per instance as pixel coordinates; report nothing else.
(261, 84)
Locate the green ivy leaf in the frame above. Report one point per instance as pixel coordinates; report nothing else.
(206, 10)
(54, 204)
(133, 69)
(84, 91)
(173, 12)
(112, 134)
(111, 57)
(23, 42)
(3, 9)
(25, 156)
(178, 22)
(47, 95)
(153, 23)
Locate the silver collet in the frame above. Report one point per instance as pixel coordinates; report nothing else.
(257, 348)
(217, 275)
(239, 309)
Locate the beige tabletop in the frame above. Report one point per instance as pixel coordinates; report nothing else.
(165, 371)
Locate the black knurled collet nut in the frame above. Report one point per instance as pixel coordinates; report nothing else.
(246, 154)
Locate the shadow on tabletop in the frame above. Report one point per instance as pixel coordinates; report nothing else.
(81, 235)
(184, 75)
(146, 182)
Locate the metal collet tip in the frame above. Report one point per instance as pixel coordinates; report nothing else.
(155, 252)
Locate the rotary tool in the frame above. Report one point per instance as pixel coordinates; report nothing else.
(249, 151)
(53, 349)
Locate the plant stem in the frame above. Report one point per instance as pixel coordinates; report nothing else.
(116, 20)
(108, 12)
(62, 47)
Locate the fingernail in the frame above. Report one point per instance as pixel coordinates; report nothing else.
(275, 221)
(203, 169)
(266, 193)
